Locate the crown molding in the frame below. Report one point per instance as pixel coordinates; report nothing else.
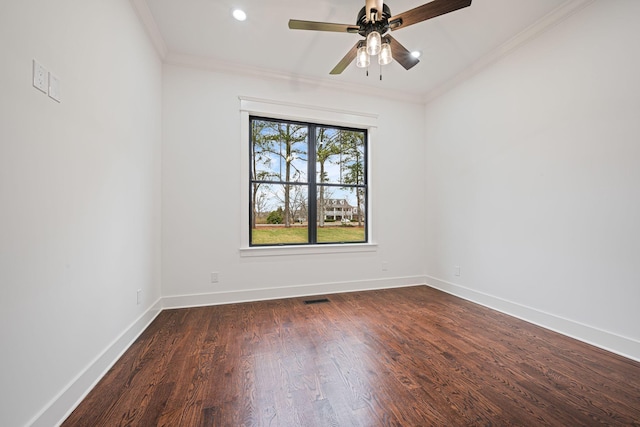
(149, 23)
(214, 65)
(545, 23)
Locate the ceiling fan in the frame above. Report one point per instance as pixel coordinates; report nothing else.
(373, 22)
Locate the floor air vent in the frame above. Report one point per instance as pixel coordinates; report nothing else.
(316, 301)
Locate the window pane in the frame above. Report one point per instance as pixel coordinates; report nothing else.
(279, 214)
(279, 151)
(341, 215)
(282, 162)
(340, 156)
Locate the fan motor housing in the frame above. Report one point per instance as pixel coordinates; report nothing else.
(381, 25)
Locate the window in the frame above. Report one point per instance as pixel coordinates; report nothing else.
(307, 183)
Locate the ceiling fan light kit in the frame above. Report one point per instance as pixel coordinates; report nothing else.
(373, 23)
(374, 42)
(385, 57)
(362, 59)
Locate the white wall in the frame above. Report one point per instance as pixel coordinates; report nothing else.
(79, 197)
(201, 208)
(533, 180)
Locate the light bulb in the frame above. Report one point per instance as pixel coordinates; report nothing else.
(373, 43)
(385, 56)
(362, 58)
(239, 15)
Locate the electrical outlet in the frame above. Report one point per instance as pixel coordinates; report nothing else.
(39, 77)
(139, 297)
(214, 277)
(456, 270)
(385, 265)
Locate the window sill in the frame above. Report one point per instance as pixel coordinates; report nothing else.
(263, 251)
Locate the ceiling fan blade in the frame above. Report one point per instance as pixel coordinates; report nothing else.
(426, 11)
(295, 24)
(344, 62)
(401, 54)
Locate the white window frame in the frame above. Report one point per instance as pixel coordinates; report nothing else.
(304, 113)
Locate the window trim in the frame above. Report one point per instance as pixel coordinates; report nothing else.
(297, 112)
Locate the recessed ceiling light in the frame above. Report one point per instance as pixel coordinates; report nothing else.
(239, 15)
(416, 54)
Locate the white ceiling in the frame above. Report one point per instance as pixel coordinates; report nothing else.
(453, 45)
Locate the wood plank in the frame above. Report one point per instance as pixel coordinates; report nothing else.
(400, 357)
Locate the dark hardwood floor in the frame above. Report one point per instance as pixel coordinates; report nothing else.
(400, 357)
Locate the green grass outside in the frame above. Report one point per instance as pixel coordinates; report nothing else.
(282, 235)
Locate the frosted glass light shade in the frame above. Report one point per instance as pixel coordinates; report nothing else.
(385, 56)
(373, 43)
(362, 58)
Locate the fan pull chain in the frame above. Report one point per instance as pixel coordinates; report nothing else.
(380, 72)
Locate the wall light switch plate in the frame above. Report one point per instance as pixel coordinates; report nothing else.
(54, 87)
(39, 76)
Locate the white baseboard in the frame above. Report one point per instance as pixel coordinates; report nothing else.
(66, 401)
(247, 295)
(623, 346)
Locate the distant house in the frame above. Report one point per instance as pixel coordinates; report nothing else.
(339, 209)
